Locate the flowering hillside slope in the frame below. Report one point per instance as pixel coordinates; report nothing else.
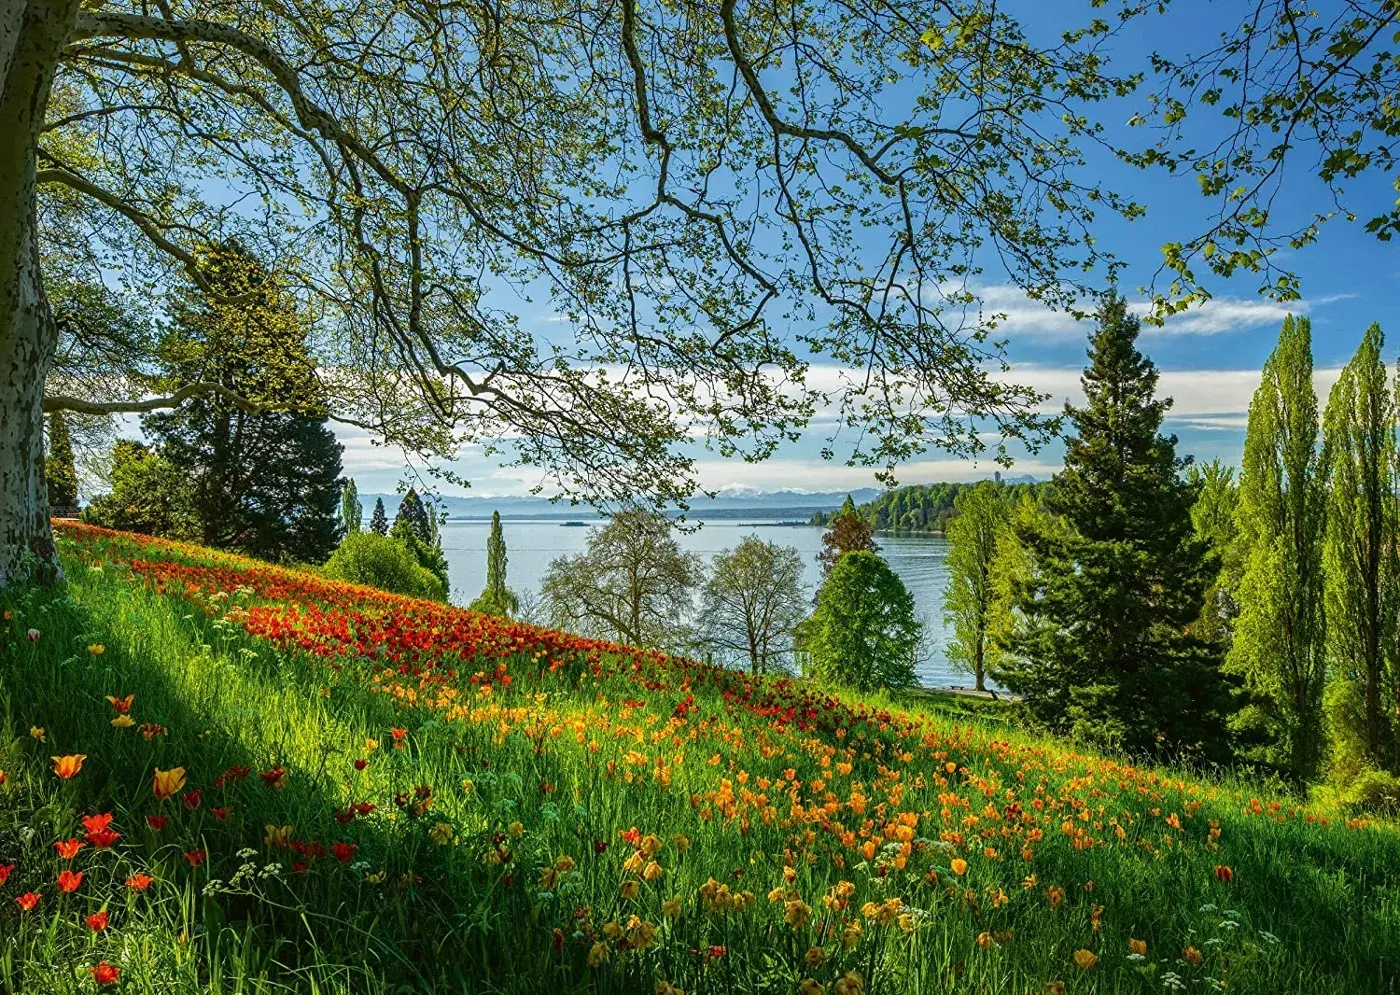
(225, 776)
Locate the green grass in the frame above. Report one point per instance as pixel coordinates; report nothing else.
(554, 768)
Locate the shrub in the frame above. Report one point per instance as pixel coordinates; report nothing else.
(385, 563)
(1373, 791)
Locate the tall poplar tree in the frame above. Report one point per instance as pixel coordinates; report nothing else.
(1359, 555)
(351, 511)
(1213, 516)
(1278, 649)
(497, 599)
(973, 533)
(1106, 650)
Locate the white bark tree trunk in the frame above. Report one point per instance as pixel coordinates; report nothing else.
(32, 36)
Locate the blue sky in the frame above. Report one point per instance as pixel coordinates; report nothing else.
(1210, 358)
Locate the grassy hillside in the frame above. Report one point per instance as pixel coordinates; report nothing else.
(385, 795)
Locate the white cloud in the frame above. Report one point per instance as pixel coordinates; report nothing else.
(1027, 318)
(1195, 394)
(818, 475)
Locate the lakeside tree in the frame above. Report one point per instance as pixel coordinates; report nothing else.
(752, 603)
(1359, 559)
(864, 633)
(497, 598)
(379, 520)
(412, 171)
(265, 482)
(60, 472)
(632, 584)
(351, 511)
(1107, 652)
(383, 562)
(415, 527)
(974, 533)
(921, 508)
(849, 533)
(1279, 645)
(413, 515)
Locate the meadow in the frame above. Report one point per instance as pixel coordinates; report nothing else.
(222, 776)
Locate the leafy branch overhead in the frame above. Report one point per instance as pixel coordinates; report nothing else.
(710, 200)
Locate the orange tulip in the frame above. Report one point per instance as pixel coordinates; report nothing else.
(105, 974)
(66, 767)
(1138, 947)
(1086, 959)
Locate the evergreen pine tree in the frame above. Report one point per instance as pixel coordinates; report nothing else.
(351, 511)
(60, 473)
(1359, 556)
(973, 534)
(497, 599)
(265, 483)
(1106, 651)
(415, 513)
(378, 520)
(1278, 649)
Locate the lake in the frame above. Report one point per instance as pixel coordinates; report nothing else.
(532, 543)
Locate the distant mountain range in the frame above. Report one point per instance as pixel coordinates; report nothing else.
(737, 502)
(797, 505)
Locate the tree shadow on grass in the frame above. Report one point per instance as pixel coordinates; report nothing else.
(354, 922)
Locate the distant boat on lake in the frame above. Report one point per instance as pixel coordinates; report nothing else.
(575, 525)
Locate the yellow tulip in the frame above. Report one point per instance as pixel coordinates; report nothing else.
(167, 782)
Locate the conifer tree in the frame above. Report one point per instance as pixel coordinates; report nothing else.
(351, 511)
(415, 513)
(264, 482)
(982, 515)
(1278, 649)
(1359, 554)
(60, 473)
(497, 599)
(415, 525)
(378, 520)
(1106, 651)
(849, 533)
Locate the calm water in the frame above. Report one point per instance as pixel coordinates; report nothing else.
(531, 545)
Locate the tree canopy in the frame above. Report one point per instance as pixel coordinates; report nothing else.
(709, 197)
(864, 633)
(752, 604)
(632, 584)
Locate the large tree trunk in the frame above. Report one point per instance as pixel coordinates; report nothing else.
(32, 35)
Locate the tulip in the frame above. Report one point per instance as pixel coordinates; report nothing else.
(66, 767)
(167, 782)
(105, 974)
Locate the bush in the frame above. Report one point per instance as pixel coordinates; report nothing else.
(1372, 791)
(385, 563)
